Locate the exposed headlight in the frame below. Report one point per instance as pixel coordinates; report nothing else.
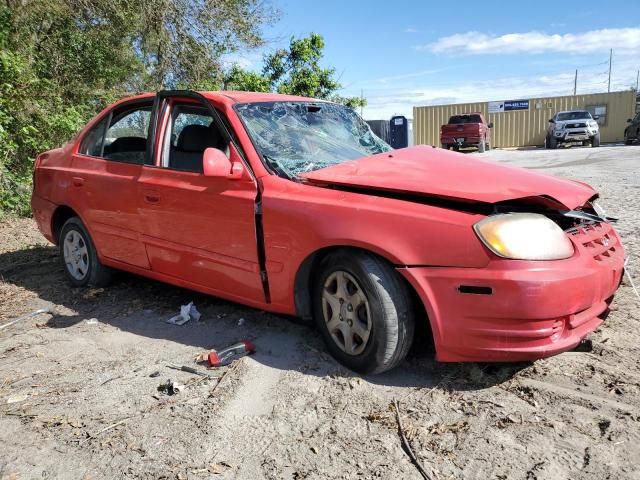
(524, 236)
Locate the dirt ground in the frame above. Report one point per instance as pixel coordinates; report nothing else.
(77, 399)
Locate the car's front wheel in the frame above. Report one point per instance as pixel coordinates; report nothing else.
(79, 256)
(595, 141)
(363, 310)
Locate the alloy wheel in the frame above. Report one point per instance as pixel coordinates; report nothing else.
(346, 312)
(76, 255)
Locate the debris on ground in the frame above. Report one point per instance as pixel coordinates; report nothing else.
(187, 312)
(92, 321)
(25, 317)
(185, 368)
(241, 322)
(229, 354)
(406, 446)
(170, 387)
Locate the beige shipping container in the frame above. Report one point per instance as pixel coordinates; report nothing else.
(519, 128)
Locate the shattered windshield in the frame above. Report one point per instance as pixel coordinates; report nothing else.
(298, 137)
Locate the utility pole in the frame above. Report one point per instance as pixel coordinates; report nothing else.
(575, 83)
(610, 57)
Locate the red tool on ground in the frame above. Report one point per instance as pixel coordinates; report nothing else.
(229, 354)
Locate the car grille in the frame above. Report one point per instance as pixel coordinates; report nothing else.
(576, 125)
(598, 239)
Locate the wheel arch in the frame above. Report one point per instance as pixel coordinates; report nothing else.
(61, 214)
(303, 283)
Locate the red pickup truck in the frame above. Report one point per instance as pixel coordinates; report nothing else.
(466, 130)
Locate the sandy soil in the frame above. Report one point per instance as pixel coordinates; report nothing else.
(77, 400)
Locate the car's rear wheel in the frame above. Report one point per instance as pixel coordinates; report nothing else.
(363, 310)
(79, 256)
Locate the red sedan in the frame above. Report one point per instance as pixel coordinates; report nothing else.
(292, 205)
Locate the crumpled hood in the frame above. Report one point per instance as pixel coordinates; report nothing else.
(429, 171)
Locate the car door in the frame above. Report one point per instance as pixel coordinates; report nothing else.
(105, 169)
(196, 228)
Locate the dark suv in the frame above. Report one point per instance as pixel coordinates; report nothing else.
(632, 132)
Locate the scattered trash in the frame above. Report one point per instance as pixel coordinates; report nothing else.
(170, 387)
(185, 368)
(21, 397)
(229, 354)
(628, 273)
(154, 374)
(187, 312)
(241, 322)
(586, 345)
(92, 321)
(24, 317)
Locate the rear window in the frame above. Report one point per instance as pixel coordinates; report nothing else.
(457, 119)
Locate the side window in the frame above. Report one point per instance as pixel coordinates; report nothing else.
(126, 137)
(191, 131)
(600, 111)
(92, 142)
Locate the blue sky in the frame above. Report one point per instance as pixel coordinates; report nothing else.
(402, 53)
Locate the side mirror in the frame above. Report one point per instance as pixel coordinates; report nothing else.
(629, 120)
(551, 120)
(596, 117)
(490, 125)
(216, 164)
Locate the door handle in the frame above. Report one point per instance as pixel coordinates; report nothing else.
(152, 199)
(77, 181)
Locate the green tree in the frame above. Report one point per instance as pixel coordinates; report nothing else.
(239, 79)
(295, 71)
(61, 61)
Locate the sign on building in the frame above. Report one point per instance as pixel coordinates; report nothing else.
(507, 106)
(516, 105)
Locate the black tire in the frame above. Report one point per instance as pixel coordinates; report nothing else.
(96, 275)
(553, 143)
(482, 146)
(595, 141)
(391, 313)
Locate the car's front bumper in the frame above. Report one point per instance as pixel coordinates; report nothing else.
(534, 310)
(575, 135)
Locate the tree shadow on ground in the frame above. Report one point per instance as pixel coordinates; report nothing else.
(141, 306)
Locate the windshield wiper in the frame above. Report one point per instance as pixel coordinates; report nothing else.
(279, 169)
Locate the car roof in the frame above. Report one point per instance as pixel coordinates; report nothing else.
(573, 111)
(232, 97)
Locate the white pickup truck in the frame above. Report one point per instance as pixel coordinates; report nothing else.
(577, 126)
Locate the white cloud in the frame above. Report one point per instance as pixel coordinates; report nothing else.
(246, 60)
(622, 40)
(410, 30)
